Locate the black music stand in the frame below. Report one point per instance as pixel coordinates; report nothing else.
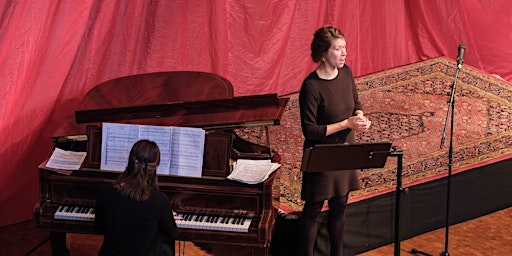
(331, 157)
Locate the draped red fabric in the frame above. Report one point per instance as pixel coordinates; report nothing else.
(53, 52)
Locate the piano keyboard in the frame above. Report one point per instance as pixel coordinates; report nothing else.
(183, 220)
(69, 212)
(212, 222)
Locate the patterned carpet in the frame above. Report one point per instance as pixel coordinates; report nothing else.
(408, 106)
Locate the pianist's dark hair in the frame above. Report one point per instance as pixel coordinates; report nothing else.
(139, 178)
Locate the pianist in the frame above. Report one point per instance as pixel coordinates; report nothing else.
(132, 214)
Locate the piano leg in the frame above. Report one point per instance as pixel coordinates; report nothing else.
(59, 245)
(261, 251)
(233, 250)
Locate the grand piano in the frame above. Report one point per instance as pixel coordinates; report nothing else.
(178, 98)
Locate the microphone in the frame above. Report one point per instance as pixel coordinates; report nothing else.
(460, 57)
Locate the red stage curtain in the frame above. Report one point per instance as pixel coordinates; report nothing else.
(53, 52)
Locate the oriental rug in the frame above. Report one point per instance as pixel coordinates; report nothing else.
(408, 106)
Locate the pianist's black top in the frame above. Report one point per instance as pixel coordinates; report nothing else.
(131, 227)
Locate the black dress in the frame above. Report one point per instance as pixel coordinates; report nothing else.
(324, 102)
(134, 228)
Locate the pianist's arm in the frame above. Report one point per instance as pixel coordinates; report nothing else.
(168, 225)
(99, 212)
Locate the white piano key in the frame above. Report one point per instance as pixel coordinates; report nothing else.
(80, 213)
(208, 222)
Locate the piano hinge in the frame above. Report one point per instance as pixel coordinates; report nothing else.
(268, 143)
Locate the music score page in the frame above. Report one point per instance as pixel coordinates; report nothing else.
(252, 171)
(181, 148)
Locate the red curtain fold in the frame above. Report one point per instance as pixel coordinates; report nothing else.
(53, 52)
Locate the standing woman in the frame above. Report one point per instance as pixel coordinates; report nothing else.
(330, 112)
(133, 215)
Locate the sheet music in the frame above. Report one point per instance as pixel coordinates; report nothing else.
(187, 152)
(66, 160)
(181, 148)
(116, 142)
(162, 136)
(252, 171)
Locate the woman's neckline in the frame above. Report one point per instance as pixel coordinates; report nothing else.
(327, 76)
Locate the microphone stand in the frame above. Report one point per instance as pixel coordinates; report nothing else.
(449, 115)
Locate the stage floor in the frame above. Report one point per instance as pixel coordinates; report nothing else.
(465, 238)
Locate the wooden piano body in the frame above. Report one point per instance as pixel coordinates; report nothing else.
(181, 98)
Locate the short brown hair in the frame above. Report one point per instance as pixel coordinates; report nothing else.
(322, 41)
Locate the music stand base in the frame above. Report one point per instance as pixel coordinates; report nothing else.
(416, 251)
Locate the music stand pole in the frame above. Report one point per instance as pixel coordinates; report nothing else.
(398, 191)
(449, 114)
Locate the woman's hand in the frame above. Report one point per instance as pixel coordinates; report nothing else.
(176, 216)
(359, 123)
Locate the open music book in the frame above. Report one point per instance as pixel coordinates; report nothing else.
(252, 171)
(181, 148)
(66, 160)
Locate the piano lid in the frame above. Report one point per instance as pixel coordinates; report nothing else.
(175, 98)
(245, 111)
